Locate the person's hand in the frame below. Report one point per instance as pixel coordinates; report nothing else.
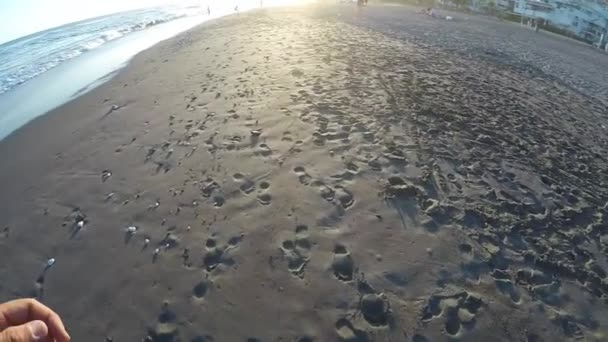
(27, 320)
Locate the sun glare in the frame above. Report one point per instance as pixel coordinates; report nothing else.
(286, 2)
(277, 2)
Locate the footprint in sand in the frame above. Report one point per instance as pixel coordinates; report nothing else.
(465, 249)
(166, 328)
(247, 186)
(264, 150)
(342, 264)
(348, 333)
(200, 290)
(345, 198)
(218, 256)
(325, 191)
(208, 187)
(303, 177)
(542, 285)
(297, 251)
(459, 310)
(264, 199)
(218, 201)
(264, 185)
(287, 136)
(419, 338)
(375, 309)
(400, 189)
(374, 306)
(503, 282)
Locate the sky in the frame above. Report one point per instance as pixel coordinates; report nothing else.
(19, 18)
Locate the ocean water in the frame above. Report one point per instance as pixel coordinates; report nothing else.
(26, 58)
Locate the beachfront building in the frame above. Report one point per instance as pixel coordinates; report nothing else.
(585, 19)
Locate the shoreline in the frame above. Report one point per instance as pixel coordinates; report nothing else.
(116, 53)
(320, 174)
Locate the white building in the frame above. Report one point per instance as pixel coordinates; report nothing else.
(587, 19)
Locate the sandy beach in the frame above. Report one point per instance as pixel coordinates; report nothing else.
(322, 174)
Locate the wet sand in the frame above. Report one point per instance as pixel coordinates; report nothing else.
(321, 174)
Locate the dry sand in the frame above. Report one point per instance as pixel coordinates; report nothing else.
(322, 174)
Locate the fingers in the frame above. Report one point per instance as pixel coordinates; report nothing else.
(34, 331)
(20, 311)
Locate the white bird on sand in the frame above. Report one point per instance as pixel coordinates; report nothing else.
(50, 262)
(131, 229)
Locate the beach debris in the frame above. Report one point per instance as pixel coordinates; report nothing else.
(155, 205)
(79, 221)
(105, 175)
(256, 132)
(109, 196)
(49, 263)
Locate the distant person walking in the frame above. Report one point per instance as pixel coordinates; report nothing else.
(208, 10)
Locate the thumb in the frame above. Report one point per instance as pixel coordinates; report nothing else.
(30, 332)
